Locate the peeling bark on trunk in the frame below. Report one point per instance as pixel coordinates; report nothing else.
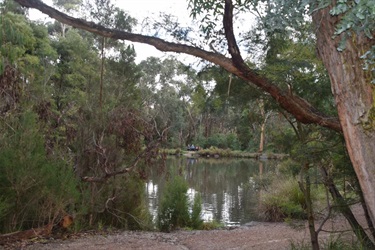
(354, 98)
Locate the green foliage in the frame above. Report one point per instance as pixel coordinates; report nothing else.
(4, 207)
(340, 242)
(283, 140)
(7, 6)
(215, 152)
(125, 204)
(196, 221)
(16, 38)
(174, 207)
(35, 187)
(57, 76)
(211, 225)
(285, 200)
(222, 141)
(356, 17)
(289, 167)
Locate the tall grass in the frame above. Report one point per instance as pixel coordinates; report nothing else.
(284, 200)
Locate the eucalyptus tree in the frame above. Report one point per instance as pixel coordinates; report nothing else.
(76, 71)
(244, 110)
(333, 22)
(104, 12)
(11, 6)
(166, 86)
(123, 75)
(69, 6)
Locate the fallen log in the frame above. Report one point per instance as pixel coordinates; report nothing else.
(44, 231)
(27, 234)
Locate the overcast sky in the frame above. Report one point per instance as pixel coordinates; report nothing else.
(144, 8)
(141, 9)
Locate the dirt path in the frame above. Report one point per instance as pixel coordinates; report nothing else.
(255, 235)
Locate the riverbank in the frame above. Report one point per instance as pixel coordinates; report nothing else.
(223, 153)
(254, 235)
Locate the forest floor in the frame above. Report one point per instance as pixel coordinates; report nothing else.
(254, 235)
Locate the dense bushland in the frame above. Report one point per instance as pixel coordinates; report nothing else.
(78, 114)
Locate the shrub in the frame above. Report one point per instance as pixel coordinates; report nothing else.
(174, 207)
(289, 167)
(221, 141)
(36, 188)
(174, 210)
(195, 221)
(211, 225)
(284, 201)
(128, 208)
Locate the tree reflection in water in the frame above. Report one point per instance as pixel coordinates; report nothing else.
(227, 187)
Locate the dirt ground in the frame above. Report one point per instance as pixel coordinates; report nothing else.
(254, 235)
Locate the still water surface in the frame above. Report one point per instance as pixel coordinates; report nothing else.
(227, 186)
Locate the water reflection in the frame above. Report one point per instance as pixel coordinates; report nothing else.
(226, 185)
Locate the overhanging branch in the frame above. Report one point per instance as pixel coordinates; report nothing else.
(298, 107)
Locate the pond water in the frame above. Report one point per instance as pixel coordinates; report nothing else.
(227, 186)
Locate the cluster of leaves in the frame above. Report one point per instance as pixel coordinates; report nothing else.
(174, 207)
(284, 200)
(220, 140)
(358, 16)
(36, 189)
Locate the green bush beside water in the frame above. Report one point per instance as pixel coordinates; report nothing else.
(174, 210)
(284, 200)
(35, 188)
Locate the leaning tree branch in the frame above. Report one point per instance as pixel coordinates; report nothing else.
(298, 107)
(152, 145)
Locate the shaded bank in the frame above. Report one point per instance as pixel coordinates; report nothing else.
(217, 153)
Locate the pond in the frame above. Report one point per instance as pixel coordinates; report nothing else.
(227, 186)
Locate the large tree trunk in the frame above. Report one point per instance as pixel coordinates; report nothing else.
(354, 98)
